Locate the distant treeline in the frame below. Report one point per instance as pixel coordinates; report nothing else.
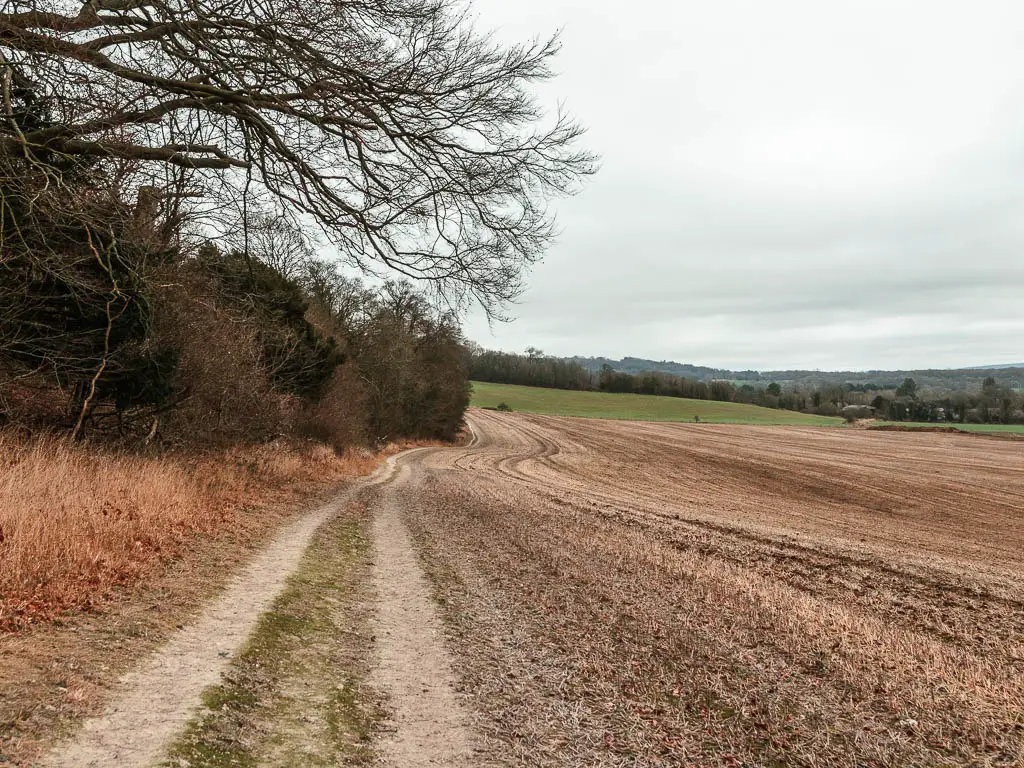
(534, 369)
(683, 370)
(995, 402)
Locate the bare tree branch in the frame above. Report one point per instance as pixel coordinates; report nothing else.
(412, 141)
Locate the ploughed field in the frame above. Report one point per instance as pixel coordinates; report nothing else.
(623, 593)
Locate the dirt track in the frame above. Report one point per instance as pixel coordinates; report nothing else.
(728, 595)
(154, 702)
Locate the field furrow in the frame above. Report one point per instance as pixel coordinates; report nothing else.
(633, 593)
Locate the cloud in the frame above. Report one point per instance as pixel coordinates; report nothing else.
(787, 184)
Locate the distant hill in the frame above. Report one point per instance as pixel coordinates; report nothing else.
(639, 365)
(955, 379)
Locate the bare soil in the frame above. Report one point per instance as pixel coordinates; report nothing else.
(901, 428)
(651, 594)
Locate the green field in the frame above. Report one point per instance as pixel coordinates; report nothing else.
(602, 405)
(1003, 428)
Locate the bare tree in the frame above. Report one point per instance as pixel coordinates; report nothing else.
(276, 241)
(412, 140)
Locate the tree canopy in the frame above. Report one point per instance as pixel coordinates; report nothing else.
(413, 141)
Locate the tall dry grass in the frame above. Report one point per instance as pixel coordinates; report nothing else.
(76, 521)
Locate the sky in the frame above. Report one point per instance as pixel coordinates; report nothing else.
(818, 184)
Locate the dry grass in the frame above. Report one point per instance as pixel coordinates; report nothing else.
(651, 595)
(76, 521)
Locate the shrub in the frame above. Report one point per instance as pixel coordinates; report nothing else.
(223, 391)
(339, 417)
(827, 409)
(299, 359)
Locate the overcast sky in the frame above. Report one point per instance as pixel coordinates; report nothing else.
(797, 183)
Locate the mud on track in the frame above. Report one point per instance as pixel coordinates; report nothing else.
(628, 593)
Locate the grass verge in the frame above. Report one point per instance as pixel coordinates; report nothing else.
(296, 694)
(604, 405)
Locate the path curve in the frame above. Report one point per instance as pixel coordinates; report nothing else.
(153, 703)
